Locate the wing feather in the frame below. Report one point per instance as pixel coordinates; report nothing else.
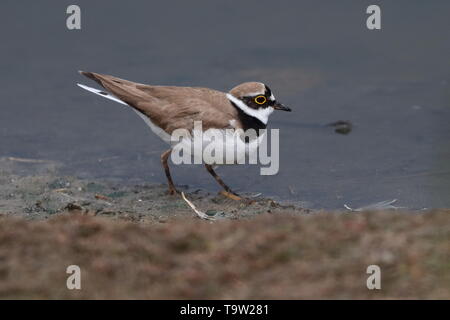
(169, 107)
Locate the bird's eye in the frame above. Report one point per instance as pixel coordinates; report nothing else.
(260, 99)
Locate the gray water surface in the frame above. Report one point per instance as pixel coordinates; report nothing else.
(318, 57)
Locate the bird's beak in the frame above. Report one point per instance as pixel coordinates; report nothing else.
(279, 106)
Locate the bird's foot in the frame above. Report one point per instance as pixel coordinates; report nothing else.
(231, 195)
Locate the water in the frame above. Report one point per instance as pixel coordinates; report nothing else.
(317, 57)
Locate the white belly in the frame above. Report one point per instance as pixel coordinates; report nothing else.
(215, 147)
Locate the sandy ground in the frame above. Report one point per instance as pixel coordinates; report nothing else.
(46, 194)
(138, 242)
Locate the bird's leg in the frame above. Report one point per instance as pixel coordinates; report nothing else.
(228, 192)
(164, 158)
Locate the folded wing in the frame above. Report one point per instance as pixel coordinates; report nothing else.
(168, 108)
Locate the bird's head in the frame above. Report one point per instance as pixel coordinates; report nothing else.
(256, 100)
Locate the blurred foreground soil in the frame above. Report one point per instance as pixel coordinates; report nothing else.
(268, 256)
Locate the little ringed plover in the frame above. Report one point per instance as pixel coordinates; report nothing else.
(168, 108)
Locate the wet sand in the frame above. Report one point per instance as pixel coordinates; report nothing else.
(48, 193)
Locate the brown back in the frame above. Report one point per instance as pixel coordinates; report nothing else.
(171, 107)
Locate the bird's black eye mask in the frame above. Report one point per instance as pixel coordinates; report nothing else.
(260, 101)
(256, 102)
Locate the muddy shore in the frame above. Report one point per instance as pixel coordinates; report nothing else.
(47, 193)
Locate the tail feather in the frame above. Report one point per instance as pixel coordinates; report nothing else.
(99, 78)
(91, 76)
(102, 93)
(122, 89)
(161, 133)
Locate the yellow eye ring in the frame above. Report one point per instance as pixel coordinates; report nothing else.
(260, 100)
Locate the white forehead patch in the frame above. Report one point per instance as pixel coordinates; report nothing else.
(261, 114)
(272, 97)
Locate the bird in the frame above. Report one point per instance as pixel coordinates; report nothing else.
(166, 109)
